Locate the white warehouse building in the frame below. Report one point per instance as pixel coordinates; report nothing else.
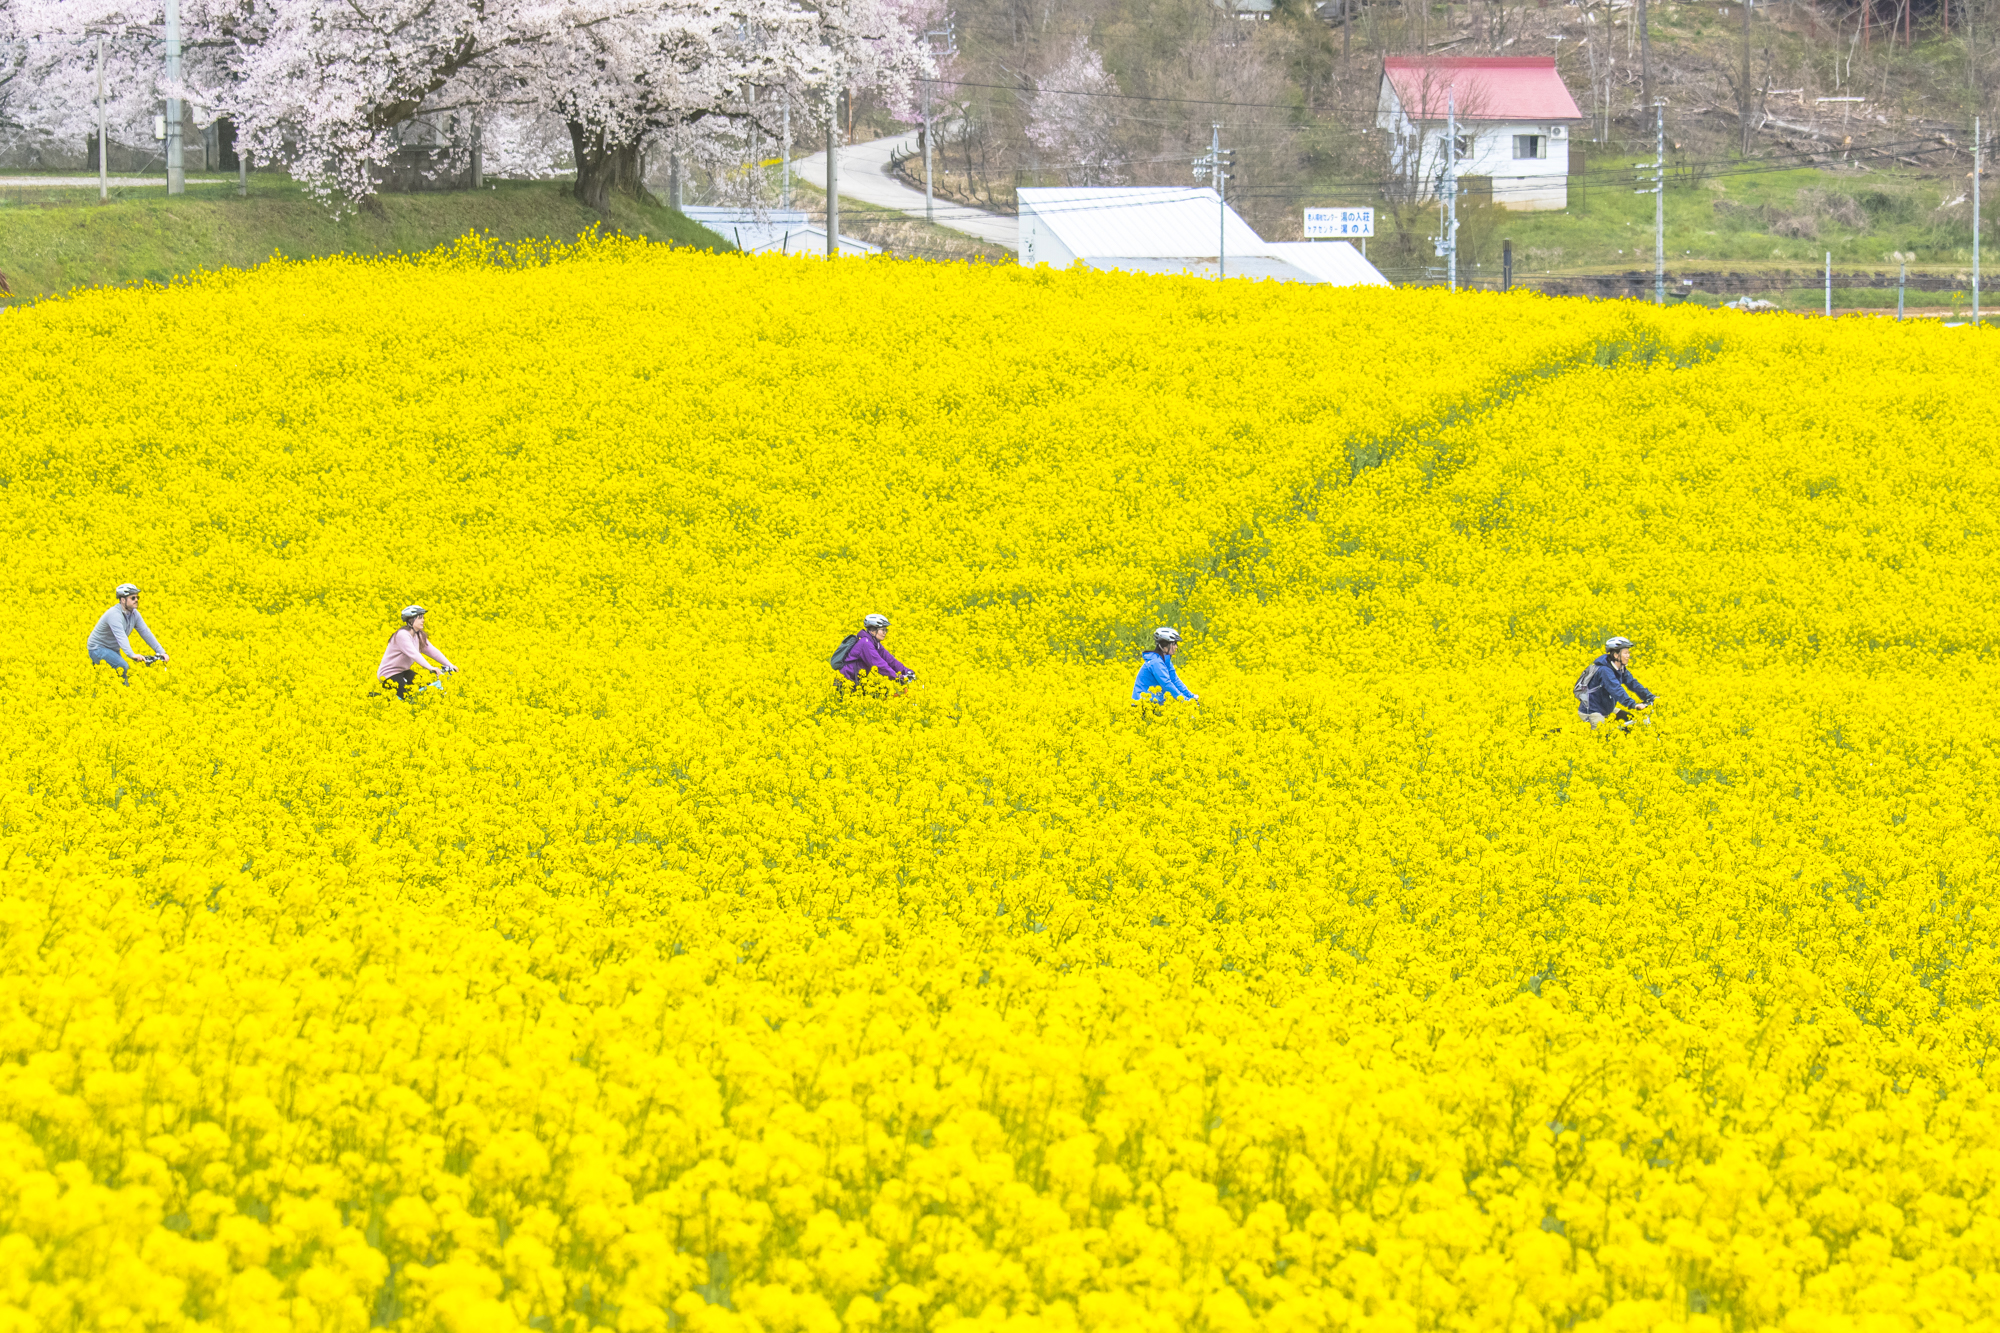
(1514, 116)
(1171, 229)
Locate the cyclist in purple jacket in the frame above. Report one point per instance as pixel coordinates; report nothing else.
(867, 653)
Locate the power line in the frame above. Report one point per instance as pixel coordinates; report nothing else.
(1134, 97)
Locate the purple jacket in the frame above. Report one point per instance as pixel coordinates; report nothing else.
(867, 653)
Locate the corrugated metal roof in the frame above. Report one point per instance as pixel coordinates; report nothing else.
(1138, 221)
(1337, 262)
(1484, 87)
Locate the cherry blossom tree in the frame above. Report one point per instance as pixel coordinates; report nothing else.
(13, 53)
(327, 87)
(48, 65)
(1074, 127)
(712, 84)
(657, 75)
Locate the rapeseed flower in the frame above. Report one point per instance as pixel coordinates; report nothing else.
(643, 980)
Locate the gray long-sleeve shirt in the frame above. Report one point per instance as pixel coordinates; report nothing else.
(114, 632)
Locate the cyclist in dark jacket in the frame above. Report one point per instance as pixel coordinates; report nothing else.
(1607, 686)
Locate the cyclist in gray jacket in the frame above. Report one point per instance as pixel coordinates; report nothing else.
(111, 641)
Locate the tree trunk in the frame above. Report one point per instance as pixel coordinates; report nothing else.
(602, 166)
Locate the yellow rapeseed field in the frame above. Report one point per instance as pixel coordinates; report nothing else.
(640, 980)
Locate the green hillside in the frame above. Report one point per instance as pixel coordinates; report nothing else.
(56, 238)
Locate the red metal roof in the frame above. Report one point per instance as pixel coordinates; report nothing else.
(1483, 87)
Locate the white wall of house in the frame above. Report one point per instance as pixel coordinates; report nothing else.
(1528, 162)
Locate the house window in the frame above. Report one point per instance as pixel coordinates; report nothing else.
(1531, 145)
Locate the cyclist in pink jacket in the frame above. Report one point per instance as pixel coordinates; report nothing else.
(408, 647)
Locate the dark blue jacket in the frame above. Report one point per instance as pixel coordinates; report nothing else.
(1603, 685)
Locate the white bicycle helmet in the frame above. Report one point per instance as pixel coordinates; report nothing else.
(128, 590)
(1166, 634)
(1615, 642)
(411, 613)
(875, 622)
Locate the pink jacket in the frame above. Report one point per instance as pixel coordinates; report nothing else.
(408, 647)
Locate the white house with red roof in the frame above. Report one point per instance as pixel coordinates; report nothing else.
(1514, 115)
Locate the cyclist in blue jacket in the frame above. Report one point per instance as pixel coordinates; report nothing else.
(1157, 673)
(1602, 690)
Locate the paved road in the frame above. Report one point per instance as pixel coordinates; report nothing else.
(90, 182)
(864, 175)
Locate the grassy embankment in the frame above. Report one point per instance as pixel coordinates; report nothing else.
(56, 238)
(1753, 223)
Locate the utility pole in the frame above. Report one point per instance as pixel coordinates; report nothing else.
(1659, 205)
(1745, 84)
(1215, 167)
(1658, 189)
(1829, 284)
(1448, 248)
(1902, 276)
(833, 179)
(950, 49)
(103, 148)
(1646, 62)
(176, 170)
(478, 171)
(1978, 169)
(785, 193)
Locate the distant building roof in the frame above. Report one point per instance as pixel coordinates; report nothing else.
(1139, 221)
(1483, 87)
(783, 231)
(1337, 262)
(1171, 229)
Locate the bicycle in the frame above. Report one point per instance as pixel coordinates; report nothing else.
(1625, 717)
(406, 690)
(1621, 717)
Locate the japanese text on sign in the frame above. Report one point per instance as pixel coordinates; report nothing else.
(1339, 222)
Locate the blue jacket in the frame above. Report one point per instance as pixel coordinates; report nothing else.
(1157, 674)
(1602, 687)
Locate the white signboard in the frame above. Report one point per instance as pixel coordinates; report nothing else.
(1339, 222)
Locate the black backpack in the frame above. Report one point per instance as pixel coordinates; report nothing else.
(840, 653)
